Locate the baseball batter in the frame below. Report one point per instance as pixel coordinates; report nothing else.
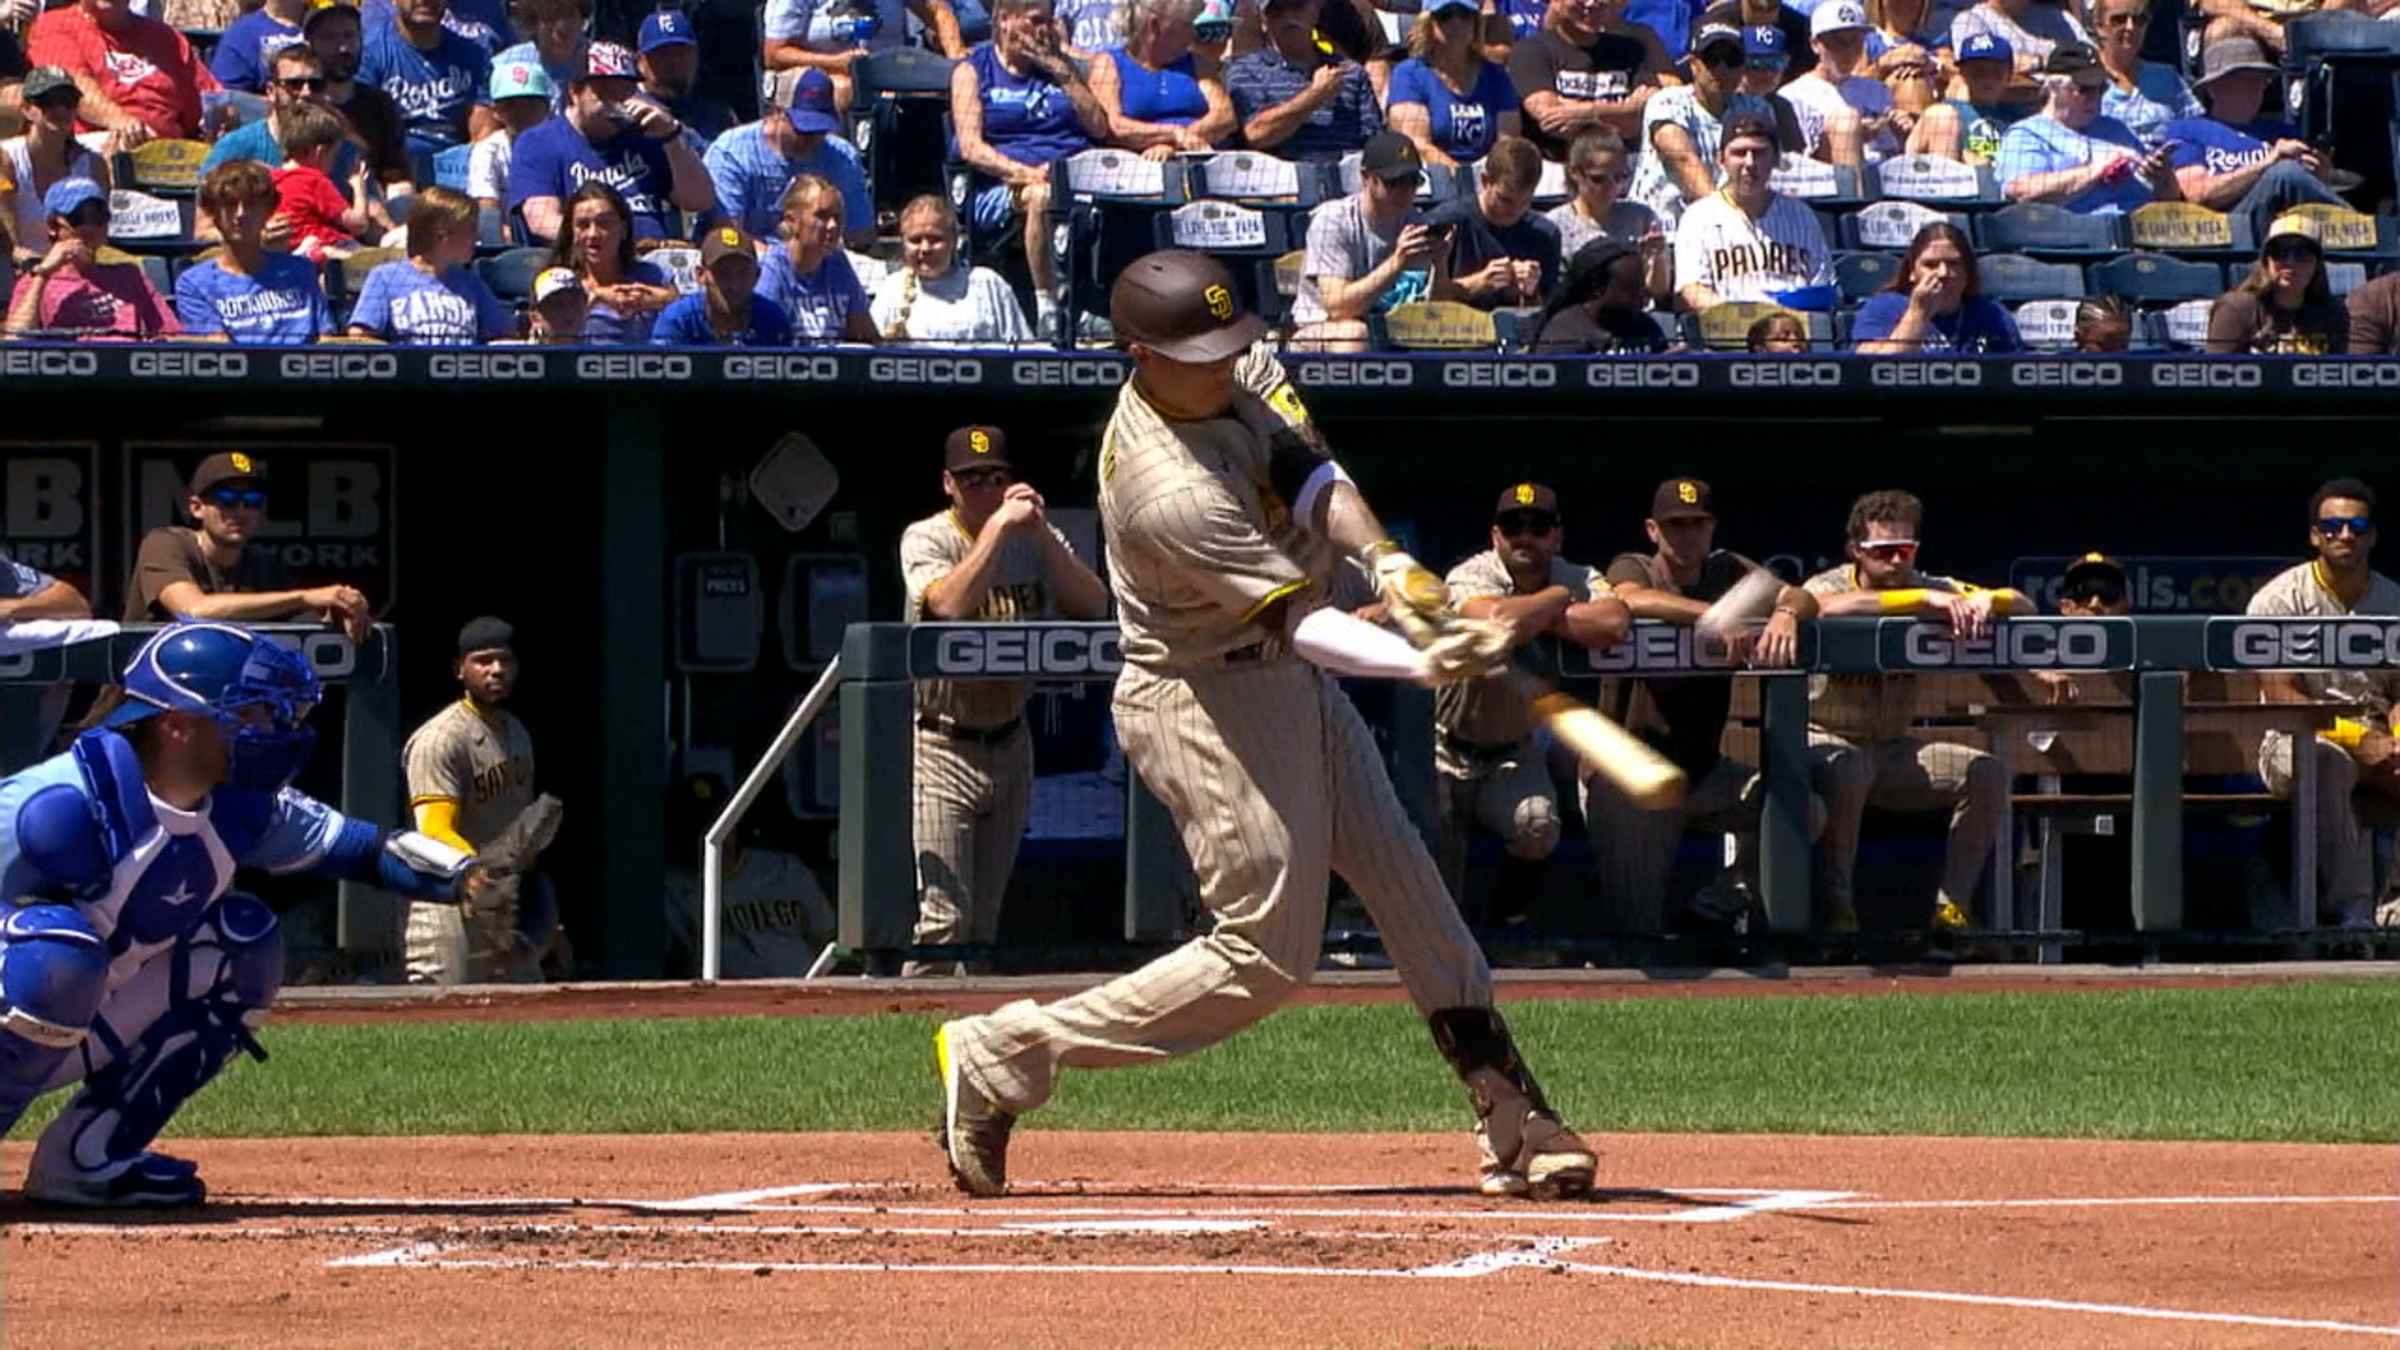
(1490, 770)
(992, 555)
(1858, 724)
(470, 775)
(1224, 513)
(1747, 241)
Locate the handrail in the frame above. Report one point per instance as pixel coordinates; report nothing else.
(712, 859)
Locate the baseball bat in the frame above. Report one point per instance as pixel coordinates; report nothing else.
(1641, 773)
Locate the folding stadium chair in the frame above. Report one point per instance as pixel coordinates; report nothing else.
(2187, 230)
(163, 167)
(898, 120)
(2011, 278)
(346, 277)
(2153, 279)
(510, 274)
(2338, 89)
(2351, 232)
(1111, 201)
(450, 167)
(1250, 241)
(1862, 274)
(1941, 182)
(149, 222)
(1726, 327)
(1258, 179)
(1436, 325)
(1825, 187)
(2048, 232)
(1891, 225)
(2047, 325)
(2181, 327)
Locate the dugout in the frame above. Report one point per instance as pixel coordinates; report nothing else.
(557, 487)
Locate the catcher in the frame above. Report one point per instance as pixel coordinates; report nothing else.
(470, 785)
(1225, 513)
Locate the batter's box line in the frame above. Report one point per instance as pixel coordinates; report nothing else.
(1737, 1203)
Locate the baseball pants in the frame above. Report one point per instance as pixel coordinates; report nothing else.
(971, 803)
(1906, 775)
(1273, 782)
(1510, 796)
(499, 939)
(2345, 858)
(1634, 850)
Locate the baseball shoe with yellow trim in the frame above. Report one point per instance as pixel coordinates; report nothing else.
(974, 1131)
(1949, 918)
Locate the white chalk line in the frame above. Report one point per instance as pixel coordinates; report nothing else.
(455, 1234)
(2100, 1201)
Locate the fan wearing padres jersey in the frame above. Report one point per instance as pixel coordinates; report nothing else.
(1683, 718)
(991, 555)
(2357, 750)
(1858, 724)
(1224, 512)
(1746, 241)
(470, 773)
(1489, 769)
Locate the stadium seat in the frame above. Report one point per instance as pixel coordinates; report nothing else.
(167, 168)
(1223, 228)
(2154, 279)
(346, 277)
(491, 228)
(1249, 176)
(1943, 182)
(2051, 232)
(2181, 327)
(2345, 277)
(2047, 325)
(1275, 305)
(2351, 232)
(1436, 325)
(2185, 229)
(1826, 187)
(898, 122)
(1726, 327)
(149, 222)
(1117, 176)
(1891, 225)
(510, 274)
(1109, 202)
(450, 167)
(2011, 278)
(1862, 274)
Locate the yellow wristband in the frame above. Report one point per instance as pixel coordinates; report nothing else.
(2346, 732)
(2003, 603)
(1907, 600)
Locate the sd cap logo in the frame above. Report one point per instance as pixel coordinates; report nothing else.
(1524, 494)
(1687, 493)
(241, 463)
(978, 442)
(1220, 302)
(730, 238)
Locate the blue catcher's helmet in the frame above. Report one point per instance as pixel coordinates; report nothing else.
(233, 675)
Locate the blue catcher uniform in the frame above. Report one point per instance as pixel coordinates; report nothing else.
(126, 961)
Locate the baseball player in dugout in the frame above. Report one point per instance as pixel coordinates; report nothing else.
(470, 785)
(991, 555)
(2356, 752)
(1492, 772)
(1225, 512)
(1858, 725)
(1684, 718)
(210, 569)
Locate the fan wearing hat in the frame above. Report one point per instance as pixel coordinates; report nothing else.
(751, 166)
(2031, 28)
(1368, 251)
(440, 79)
(561, 307)
(1855, 109)
(521, 94)
(2286, 305)
(46, 153)
(1219, 499)
(990, 555)
(554, 43)
(68, 291)
(2071, 155)
(1747, 241)
(1969, 129)
(727, 310)
(1684, 126)
(2234, 160)
(210, 569)
(667, 51)
(607, 133)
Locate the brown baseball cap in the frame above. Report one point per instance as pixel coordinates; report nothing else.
(2094, 563)
(974, 448)
(227, 466)
(1182, 305)
(1525, 497)
(726, 242)
(1683, 499)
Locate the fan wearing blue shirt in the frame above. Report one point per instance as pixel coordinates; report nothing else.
(2235, 161)
(749, 167)
(2144, 95)
(433, 297)
(1934, 303)
(482, 22)
(1446, 97)
(437, 78)
(809, 276)
(670, 63)
(240, 61)
(246, 294)
(727, 311)
(610, 135)
(2069, 155)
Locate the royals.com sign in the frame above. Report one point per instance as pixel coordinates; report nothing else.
(2359, 643)
(2013, 644)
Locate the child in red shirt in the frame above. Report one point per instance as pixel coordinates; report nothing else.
(326, 221)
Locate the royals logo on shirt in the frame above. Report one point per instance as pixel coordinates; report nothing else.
(1468, 124)
(628, 174)
(129, 68)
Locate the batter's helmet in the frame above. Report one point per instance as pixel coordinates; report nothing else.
(1183, 306)
(224, 670)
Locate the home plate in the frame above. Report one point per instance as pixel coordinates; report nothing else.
(1166, 1226)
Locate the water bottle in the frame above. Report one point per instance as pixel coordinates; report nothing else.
(853, 23)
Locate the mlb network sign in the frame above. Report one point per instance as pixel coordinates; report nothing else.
(2013, 644)
(992, 651)
(2303, 644)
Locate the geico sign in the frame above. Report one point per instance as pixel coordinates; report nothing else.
(2345, 375)
(492, 366)
(2067, 375)
(1787, 375)
(1642, 375)
(1358, 374)
(1006, 650)
(2342, 643)
(925, 370)
(1065, 374)
(1662, 647)
(1925, 375)
(2206, 375)
(338, 366)
(331, 655)
(633, 366)
(189, 365)
(810, 369)
(48, 363)
(1497, 375)
(2018, 643)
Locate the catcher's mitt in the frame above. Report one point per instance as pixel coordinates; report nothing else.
(523, 839)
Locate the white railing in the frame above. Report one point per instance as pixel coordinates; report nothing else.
(712, 852)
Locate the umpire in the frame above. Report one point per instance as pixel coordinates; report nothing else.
(992, 554)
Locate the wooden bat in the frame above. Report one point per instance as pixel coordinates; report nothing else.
(1641, 773)
(1744, 603)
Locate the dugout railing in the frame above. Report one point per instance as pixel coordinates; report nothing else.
(881, 662)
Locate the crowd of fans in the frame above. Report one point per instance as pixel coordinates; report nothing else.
(454, 143)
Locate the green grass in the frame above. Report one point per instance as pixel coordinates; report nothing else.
(2298, 1062)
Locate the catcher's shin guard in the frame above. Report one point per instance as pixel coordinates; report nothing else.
(1526, 1148)
(53, 972)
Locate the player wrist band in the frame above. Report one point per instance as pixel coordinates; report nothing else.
(1325, 475)
(1906, 600)
(2345, 732)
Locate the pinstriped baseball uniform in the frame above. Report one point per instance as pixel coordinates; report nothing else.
(1492, 772)
(1858, 737)
(1269, 773)
(1744, 259)
(483, 760)
(2345, 858)
(974, 764)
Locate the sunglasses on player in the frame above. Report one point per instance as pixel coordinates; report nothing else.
(1514, 523)
(254, 499)
(2329, 526)
(1888, 550)
(2099, 590)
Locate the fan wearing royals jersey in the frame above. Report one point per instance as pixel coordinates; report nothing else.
(1746, 241)
(127, 962)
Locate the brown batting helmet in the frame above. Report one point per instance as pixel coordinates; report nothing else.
(1183, 306)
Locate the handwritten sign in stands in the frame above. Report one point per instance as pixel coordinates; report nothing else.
(2173, 225)
(1217, 225)
(173, 165)
(1805, 178)
(1930, 178)
(1894, 224)
(138, 215)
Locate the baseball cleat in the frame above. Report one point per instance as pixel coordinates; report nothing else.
(1558, 1164)
(150, 1181)
(974, 1130)
(1949, 918)
(1501, 1182)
